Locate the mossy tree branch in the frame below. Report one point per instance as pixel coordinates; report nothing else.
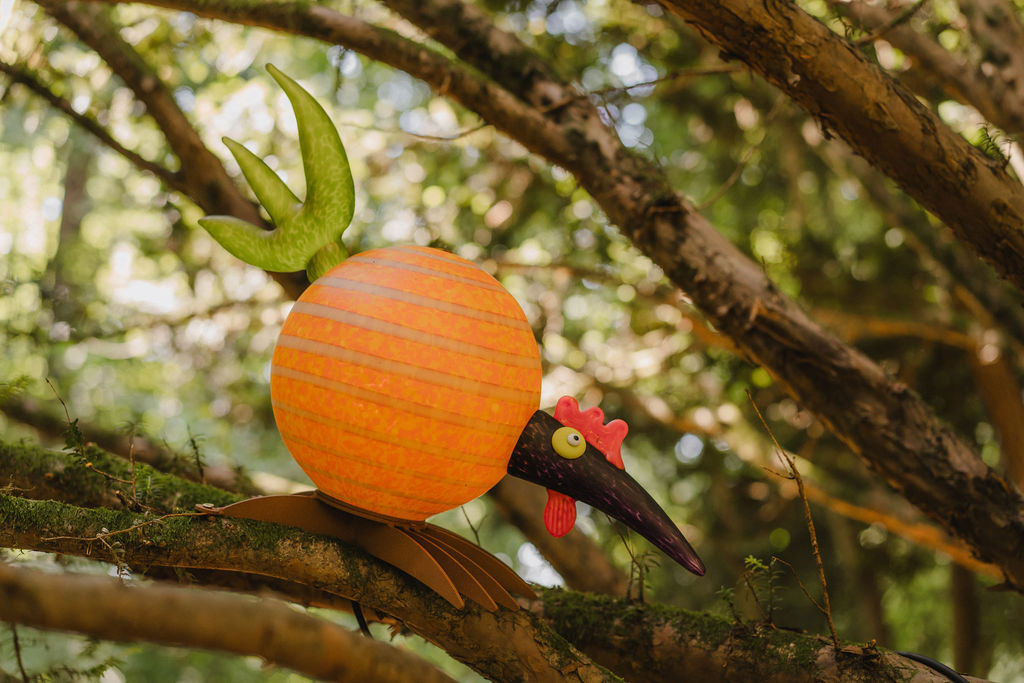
(40, 416)
(881, 120)
(639, 642)
(503, 645)
(649, 643)
(87, 478)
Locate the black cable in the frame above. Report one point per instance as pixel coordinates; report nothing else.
(357, 609)
(938, 666)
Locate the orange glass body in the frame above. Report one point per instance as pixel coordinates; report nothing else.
(402, 380)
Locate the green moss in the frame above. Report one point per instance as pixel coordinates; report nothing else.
(591, 620)
(47, 519)
(576, 615)
(794, 649)
(711, 630)
(29, 523)
(579, 616)
(559, 629)
(80, 479)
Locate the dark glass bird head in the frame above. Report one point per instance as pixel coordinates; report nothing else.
(562, 458)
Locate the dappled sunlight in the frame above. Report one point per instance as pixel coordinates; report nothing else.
(143, 324)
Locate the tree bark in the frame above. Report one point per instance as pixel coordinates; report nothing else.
(935, 68)
(878, 118)
(881, 420)
(658, 645)
(504, 645)
(501, 645)
(106, 608)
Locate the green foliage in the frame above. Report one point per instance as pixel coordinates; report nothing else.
(74, 442)
(138, 316)
(994, 144)
(18, 385)
(52, 657)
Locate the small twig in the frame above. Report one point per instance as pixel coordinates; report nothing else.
(613, 89)
(73, 439)
(795, 475)
(748, 154)
(624, 537)
(193, 442)
(892, 23)
(420, 136)
(757, 601)
(17, 654)
(131, 461)
(674, 76)
(800, 583)
(472, 527)
(753, 566)
(64, 405)
(108, 475)
(107, 534)
(357, 610)
(638, 564)
(9, 487)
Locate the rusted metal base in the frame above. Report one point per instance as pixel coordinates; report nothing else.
(450, 565)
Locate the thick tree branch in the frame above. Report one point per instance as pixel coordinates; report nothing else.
(500, 645)
(106, 608)
(503, 645)
(891, 428)
(881, 121)
(997, 29)
(648, 643)
(886, 424)
(35, 472)
(940, 69)
(494, 645)
(31, 412)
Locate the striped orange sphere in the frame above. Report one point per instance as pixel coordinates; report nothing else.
(402, 380)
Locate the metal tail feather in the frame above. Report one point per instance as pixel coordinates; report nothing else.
(448, 564)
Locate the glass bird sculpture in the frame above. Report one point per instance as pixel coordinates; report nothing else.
(406, 382)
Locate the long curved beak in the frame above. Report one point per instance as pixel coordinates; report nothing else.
(591, 479)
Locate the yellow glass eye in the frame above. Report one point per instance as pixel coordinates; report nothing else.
(568, 443)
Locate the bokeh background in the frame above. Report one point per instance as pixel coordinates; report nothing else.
(114, 300)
